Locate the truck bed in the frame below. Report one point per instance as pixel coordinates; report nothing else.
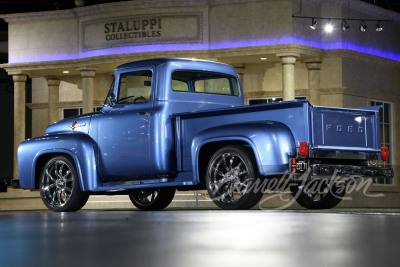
(323, 128)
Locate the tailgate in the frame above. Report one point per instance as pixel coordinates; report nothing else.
(346, 129)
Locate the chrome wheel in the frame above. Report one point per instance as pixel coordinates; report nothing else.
(59, 187)
(229, 177)
(146, 197)
(318, 193)
(152, 198)
(57, 183)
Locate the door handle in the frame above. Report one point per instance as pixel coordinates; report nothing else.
(144, 113)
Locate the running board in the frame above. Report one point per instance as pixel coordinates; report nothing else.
(115, 189)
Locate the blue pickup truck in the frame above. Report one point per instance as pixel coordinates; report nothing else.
(180, 124)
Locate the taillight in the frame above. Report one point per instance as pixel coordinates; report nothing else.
(385, 153)
(293, 165)
(303, 149)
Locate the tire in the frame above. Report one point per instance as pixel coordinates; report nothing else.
(152, 198)
(229, 176)
(59, 186)
(318, 194)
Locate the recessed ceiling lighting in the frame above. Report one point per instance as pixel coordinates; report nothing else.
(263, 58)
(65, 71)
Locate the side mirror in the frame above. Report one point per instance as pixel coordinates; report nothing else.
(111, 100)
(147, 83)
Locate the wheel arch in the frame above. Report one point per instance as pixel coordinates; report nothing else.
(271, 143)
(44, 157)
(79, 148)
(209, 147)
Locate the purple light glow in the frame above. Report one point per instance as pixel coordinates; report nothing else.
(214, 46)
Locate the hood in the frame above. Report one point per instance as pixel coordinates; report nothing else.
(74, 124)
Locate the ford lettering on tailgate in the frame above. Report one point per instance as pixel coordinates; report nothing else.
(334, 127)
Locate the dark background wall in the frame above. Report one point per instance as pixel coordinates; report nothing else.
(6, 121)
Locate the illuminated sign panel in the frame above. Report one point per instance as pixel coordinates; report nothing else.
(168, 28)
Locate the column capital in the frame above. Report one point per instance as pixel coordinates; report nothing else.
(239, 68)
(288, 58)
(53, 81)
(20, 77)
(87, 72)
(313, 63)
(238, 65)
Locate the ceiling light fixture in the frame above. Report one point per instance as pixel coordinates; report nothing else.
(363, 26)
(345, 27)
(263, 58)
(66, 71)
(379, 27)
(328, 27)
(313, 24)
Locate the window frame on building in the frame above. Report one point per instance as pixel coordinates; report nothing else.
(385, 181)
(271, 99)
(80, 111)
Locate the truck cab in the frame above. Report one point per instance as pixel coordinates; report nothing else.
(135, 129)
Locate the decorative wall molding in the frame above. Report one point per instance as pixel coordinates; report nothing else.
(63, 104)
(142, 29)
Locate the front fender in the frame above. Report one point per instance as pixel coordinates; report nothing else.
(80, 147)
(272, 144)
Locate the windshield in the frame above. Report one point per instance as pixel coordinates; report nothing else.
(110, 94)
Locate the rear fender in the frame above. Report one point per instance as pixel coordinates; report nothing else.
(272, 144)
(79, 147)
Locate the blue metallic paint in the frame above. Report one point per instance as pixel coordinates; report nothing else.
(354, 129)
(66, 125)
(293, 115)
(271, 142)
(80, 147)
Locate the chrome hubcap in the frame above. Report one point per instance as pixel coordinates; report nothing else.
(145, 197)
(316, 190)
(57, 183)
(229, 177)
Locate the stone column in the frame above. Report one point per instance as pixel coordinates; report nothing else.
(54, 93)
(314, 67)
(87, 88)
(19, 116)
(288, 61)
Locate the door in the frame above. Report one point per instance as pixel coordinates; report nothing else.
(124, 128)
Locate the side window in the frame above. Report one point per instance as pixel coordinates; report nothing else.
(135, 87)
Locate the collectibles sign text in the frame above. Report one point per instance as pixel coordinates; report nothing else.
(142, 30)
(132, 29)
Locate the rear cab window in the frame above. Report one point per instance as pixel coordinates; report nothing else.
(204, 82)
